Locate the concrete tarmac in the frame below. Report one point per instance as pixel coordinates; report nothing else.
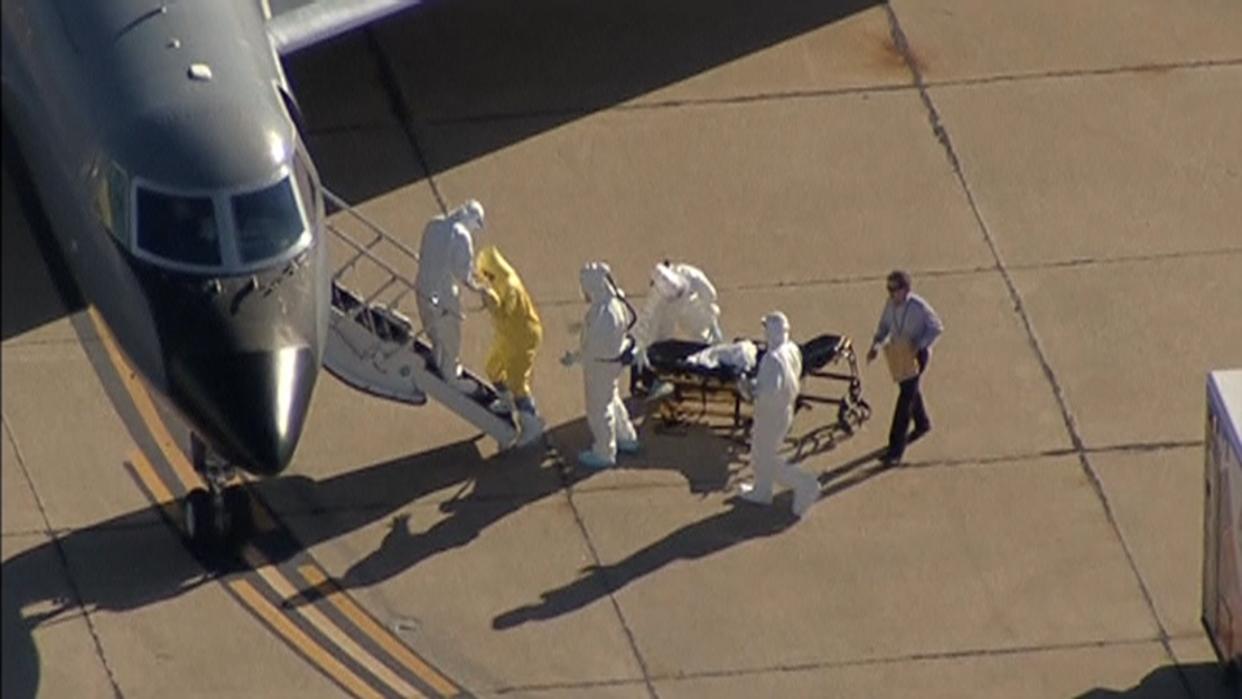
(1063, 180)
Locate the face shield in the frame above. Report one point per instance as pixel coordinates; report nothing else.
(668, 284)
(775, 328)
(469, 215)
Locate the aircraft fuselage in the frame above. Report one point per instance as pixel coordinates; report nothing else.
(187, 208)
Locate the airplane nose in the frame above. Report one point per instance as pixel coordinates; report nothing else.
(252, 405)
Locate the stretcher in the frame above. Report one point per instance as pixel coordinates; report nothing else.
(685, 387)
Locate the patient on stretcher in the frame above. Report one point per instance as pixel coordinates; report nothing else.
(724, 361)
(741, 357)
(697, 371)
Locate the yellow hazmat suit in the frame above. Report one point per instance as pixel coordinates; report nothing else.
(517, 329)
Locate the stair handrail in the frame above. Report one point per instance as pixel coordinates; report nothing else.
(365, 250)
(371, 225)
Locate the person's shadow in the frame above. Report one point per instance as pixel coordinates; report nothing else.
(514, 479)
(498, 487)
(708, 455)
(740, 523)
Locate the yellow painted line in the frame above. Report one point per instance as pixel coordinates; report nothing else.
(146, 408)
(334, 633)
(190, 480)
(155, 484)
(301, 641)
(367, 625)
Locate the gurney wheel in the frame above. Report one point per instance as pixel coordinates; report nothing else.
(844, 413)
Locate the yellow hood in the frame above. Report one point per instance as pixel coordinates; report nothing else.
(496, 268)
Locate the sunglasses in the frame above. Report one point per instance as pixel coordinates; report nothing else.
(891, 289)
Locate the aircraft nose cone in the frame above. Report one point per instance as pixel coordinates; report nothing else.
(252, 405)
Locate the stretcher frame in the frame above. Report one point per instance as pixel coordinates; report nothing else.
(719, 387)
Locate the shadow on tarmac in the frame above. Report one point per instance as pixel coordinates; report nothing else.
(1197, 681)
(37, 286)
(742, 522)
(129, 561)
(551, 60)
(511, 71)
(509, 482)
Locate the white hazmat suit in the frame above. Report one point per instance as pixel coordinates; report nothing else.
(775, 392)
(683, 299)
(604, 339)
(446, 259)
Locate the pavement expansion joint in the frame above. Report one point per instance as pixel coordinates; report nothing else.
(930, 656)
(1088, 72)
(1127, 259)
(1071, 425)
(564, 467)
(789, 95)
(700, 486)
(566, 686)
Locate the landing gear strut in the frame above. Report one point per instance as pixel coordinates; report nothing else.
(220, 513)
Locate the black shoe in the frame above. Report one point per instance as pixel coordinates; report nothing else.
(919, 432)
(890, 459)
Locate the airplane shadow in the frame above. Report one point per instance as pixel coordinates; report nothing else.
(1199, 680)
(550, 60)
(515, 71)
(36, 287)
(126, 562)
(129, 561)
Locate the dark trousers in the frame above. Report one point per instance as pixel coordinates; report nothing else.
(909, 406)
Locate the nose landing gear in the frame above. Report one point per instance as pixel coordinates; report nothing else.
(220, 514)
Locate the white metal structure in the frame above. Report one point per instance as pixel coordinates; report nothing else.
(1222, 524)
(373, 347)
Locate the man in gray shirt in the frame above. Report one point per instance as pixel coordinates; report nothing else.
(907, 317)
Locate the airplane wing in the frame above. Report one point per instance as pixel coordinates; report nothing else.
(295, 24)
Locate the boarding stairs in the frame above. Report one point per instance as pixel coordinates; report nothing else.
(372, 345)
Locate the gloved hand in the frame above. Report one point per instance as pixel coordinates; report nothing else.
(640, 359)
(570, 358)
(746, 389)
(871, 354)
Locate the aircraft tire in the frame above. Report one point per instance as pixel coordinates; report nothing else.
(199, 523)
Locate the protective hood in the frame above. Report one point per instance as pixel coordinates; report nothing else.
(498, 270)
(469, 215)
(596, 282)
(775, 329)
(668, 283)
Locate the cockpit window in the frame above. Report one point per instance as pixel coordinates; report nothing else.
(268, 221)
(178, 228)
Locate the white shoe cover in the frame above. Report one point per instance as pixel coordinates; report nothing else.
(749, 493)
(592, 460)
(805, 495)
(531, 426)
(628, 446)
